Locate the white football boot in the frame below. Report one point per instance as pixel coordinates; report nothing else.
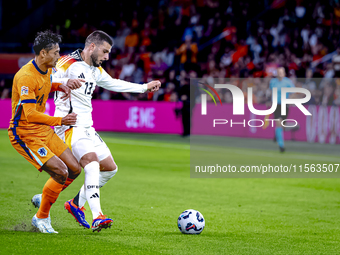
(44, 225)
(36, 201)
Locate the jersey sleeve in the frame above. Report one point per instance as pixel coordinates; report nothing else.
(59, 78)
(55, 86)
(26, 87)
(107, 82)
(33, 116)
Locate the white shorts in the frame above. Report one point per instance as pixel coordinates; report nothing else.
(83, 140)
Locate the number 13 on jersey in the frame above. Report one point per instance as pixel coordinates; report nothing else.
(88, 88)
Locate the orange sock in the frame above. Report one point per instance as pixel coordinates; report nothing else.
(50, 194)
(68, 182)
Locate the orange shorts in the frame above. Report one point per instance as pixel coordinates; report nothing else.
(37, 149)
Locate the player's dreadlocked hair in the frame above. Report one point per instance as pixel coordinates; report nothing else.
(45, 40)
(98, 37)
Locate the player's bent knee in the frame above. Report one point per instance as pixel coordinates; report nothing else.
(108, 164)
(110, 167)
(71, 162)
(74, 169)
(78, 170)
(63, 171)
(88, 158)
(56, 168)
(59, 173)
(105, 176)
(62, 176)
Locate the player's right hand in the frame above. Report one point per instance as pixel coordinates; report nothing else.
(153, 86)
(69, 119)
(74, 83)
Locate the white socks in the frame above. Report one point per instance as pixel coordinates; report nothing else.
(104, 177)
(92, 187)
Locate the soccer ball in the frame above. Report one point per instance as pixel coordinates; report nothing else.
(191, 222)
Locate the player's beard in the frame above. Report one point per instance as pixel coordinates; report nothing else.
(95, 61)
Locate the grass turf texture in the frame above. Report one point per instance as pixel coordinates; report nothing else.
(153, 186)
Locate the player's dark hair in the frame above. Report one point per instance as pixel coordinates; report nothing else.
(98, 37)
(45, 40)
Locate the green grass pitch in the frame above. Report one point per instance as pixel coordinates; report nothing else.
(151, 189)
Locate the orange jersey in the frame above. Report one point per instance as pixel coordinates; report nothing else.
(30, 91)
(29, 131)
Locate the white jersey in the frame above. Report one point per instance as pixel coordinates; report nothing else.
(72, 66)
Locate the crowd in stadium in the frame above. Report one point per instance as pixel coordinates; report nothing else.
(175, 40)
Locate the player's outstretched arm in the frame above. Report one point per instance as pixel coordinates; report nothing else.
(153, 86)
(107, 82)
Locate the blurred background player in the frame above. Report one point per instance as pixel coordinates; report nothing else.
(280, 82)
(87, 146)
(30, 132)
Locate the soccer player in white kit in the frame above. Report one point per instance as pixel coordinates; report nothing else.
(87, 146)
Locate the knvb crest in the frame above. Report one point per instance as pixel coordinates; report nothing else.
(42, 152)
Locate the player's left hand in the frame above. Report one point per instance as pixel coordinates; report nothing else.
(67, 92)
(74, 83)
(153, 86)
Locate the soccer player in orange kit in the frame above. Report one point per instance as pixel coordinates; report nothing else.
(30, 132)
